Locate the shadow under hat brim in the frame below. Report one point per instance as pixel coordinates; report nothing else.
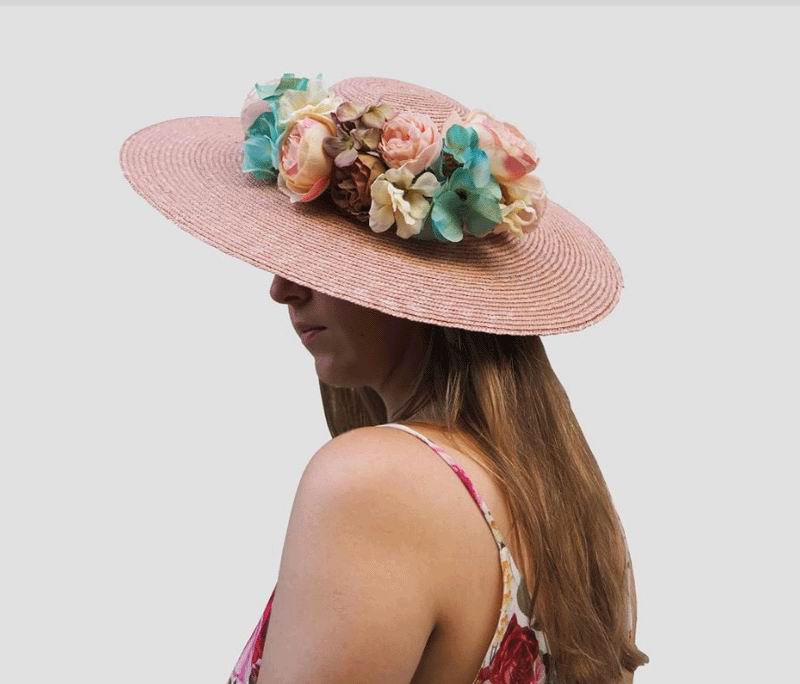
(559, 278)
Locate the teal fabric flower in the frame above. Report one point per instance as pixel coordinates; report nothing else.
(261, 138)
(462, 144)
(272, 91)
(260, 156)
(462, 204)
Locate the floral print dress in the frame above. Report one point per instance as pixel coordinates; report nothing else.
(518, 652)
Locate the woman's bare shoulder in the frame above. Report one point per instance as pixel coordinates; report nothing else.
(355, 558)
(372, 451)
(389, 467)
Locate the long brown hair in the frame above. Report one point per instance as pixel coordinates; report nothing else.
(502, 395)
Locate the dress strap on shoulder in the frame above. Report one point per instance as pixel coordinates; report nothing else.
(462, 475)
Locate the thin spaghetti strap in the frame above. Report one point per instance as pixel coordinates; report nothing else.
(462, 475)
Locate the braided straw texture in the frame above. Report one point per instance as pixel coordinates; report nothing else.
(559, 278)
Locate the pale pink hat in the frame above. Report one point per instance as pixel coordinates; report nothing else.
(558, 278)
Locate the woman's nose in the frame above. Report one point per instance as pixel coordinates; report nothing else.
(283, 290)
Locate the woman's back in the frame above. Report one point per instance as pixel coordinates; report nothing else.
(517, 652)
(486, 630)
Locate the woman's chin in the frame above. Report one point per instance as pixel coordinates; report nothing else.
(333, 374)
(326, 370)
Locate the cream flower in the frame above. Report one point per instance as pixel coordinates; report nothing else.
(398, 198)
(314, 101)
(516, 217)
(525, 202)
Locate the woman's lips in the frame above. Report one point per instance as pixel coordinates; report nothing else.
(309, 334)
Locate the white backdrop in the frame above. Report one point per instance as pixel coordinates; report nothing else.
(158, 410)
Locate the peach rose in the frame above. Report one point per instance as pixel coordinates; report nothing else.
(304, 170)
(511, 156)
(410, 140)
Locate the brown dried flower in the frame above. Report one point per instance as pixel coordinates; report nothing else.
(358, 130)
(350, 185)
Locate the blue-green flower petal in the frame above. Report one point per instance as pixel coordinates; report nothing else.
(288, 81)
(446, 216)
(462, 143)
(484, 206)
(264, 125)
(469, 199)
(258, 157)
(480, 168)
(458, 142)
(460, 179)
(483, 213)
(493, 189)
(262, 139)
(459, 205)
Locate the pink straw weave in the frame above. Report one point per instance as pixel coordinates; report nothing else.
(560, 278)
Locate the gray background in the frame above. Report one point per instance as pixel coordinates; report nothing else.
(158, 410)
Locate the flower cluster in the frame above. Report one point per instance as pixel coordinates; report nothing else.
(393, 168)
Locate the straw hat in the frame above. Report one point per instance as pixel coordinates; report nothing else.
(554, 275)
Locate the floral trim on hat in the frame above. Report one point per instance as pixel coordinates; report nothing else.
(393, 169)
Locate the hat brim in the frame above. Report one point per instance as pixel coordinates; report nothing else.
(559, 278)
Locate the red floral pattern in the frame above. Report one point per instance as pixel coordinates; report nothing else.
(249, 663)
(517, 660)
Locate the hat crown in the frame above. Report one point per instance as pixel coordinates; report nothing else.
(401, 95)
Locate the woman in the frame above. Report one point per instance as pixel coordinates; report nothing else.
(432, 329)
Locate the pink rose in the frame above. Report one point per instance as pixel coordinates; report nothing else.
(511, 156)
(304, 170)
(410, 140)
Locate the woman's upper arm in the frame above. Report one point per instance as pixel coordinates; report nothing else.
(354, 600)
